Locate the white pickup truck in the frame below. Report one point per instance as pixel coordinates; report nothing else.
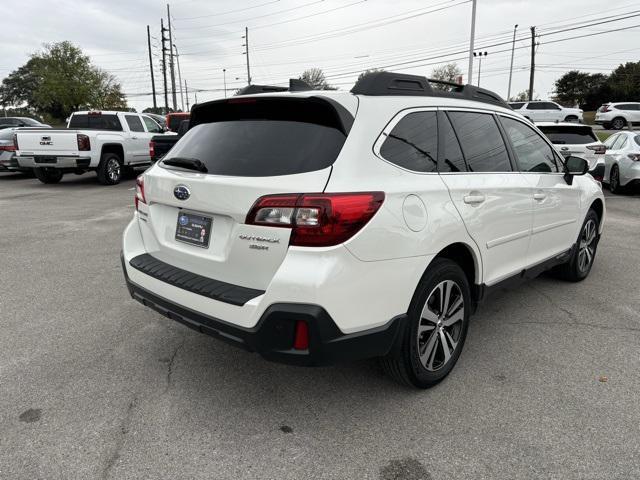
(105, 142)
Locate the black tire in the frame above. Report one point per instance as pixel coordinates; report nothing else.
(575, 270)
(618, 123)
(48, 175)
(571, 118)
(109, 169)
(405, 364)
(614, 181)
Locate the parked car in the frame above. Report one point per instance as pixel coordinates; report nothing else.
(174, 120)
(622, 161)
(322, 226)
(578, 140)
(8, 160)
(14, 122)
(160, 119)
(544, 111)
(160, 145)
(105, 142)
(618, 115)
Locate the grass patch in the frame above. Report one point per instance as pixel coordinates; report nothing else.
(589, 117)
(603, 135)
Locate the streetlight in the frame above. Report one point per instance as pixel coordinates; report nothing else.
(513, 48)
(224, 74)
(471, 43)
(480, 55)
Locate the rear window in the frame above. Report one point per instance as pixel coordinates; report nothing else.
(265, 137)
(569, 135)
(95, 122)
(517, 105)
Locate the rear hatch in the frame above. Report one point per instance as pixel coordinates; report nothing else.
(575, 140)
(246, 147)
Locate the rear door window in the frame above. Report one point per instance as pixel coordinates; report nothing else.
(452, 159)
(481, 142)
(569, 135)
(134, 122)
(516, 105)
(248, 137)
(628, 106)
(533, 154)
(95, 122)
(413, 142)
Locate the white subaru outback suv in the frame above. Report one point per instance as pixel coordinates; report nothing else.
(314, 226)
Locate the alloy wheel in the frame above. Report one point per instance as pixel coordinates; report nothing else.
(618, 124)
(587, 246)
(440, 326)
(113, 170)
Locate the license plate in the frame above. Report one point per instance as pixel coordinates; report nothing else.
(46, 160)
(194, 229)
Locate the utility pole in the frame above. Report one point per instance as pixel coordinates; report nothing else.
(153, 82)
(471, 43)
(246, 52)
(533, 62)
(173, 73)
(164, 65)
(480, 55)
(179, 78)
(186, 93)
(513, 49)
(224, 76)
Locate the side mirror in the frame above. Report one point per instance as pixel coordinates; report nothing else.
(574, 166)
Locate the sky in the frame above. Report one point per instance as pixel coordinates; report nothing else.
(342, 37)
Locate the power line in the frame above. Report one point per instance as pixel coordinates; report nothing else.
(228, 12)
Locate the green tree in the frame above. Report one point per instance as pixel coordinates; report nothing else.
(624, 82)
(60, 80)
(369, 72)
(315, 78)
(446, 73)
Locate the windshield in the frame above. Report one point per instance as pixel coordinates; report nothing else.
(569, 135)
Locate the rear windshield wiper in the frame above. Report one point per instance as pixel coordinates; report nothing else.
(188, 163)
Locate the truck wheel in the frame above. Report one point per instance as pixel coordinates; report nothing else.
(48, 175)
(109, 169)
(435, 329)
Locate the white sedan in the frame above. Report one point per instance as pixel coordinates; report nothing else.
(622, 161)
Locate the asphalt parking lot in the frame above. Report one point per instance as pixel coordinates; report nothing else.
(94, 385)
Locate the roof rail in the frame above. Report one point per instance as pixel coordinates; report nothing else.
(389, 83)
(295, 85)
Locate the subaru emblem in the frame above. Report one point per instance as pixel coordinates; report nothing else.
(181, 192)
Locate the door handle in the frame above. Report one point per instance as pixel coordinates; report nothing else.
(474, 198)
(539, 196)
(134, 137)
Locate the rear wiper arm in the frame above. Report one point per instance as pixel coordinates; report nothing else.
(184, 162)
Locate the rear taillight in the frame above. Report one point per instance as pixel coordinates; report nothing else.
(15, 141)
(152, 149)
(598, 149)
(7, 148)
(634, 156)
(605, 109)
(84, 145)
(139, 198)
(317, 219)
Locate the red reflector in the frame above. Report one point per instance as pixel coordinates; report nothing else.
(301, 341)
(152, 149)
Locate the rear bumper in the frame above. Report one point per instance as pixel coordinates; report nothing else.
(273, 336)
(54, 162)
(10, 164)
(598, 171)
